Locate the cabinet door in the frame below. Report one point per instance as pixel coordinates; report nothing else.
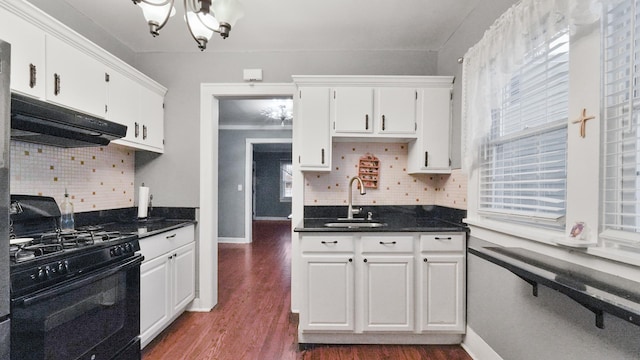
(152, 119)
(328, 293)
(353, 110)
(122, 102)
(314, 147)
(184, 276)
(442, 293)
(397, 110)
(27, 54)
(154, 297)
(388, 293)
(436, 128)
(74, 79)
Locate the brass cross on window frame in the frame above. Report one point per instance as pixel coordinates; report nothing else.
(583, 122)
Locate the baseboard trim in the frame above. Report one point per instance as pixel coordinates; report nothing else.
(231, 240)
(477, 348)
(271, 218)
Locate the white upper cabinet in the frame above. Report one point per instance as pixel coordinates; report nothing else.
(27, 54)
(152, 119)
(140, 109)
(378, 111)
(53, 63)
(313, 146)
(410, 109)
(122, 101)
(431, 152)
(353, 110)
(74, 79)
(397, 110)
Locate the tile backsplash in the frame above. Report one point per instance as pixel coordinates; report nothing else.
(395, 186)
(98, 178)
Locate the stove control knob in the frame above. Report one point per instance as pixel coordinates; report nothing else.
(63, 267)
(47, 272)
(41, 275)
(117, 250)
(128, 247)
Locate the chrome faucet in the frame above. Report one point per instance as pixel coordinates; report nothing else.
(351, 210)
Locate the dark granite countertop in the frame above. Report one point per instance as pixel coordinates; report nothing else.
(148, 228)
(125, 220)
(396, 218)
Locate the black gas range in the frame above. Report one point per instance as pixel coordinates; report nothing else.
(74, 294)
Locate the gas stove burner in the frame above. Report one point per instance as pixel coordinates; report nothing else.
(91, 228)
(23, 255)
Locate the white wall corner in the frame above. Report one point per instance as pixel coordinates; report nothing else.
(477, 348)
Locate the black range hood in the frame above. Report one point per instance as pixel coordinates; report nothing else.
(40, 122)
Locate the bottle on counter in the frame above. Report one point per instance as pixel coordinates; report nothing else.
(67, 223)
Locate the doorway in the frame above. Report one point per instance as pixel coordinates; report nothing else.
(278, 145)
(209, 192)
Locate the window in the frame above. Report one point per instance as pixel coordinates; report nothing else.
(286, 180)
(533, 172)
(523, 160)
(621, 141)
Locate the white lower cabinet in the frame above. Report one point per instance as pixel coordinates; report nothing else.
(442, 282)
(167, 279)
(328, 273)
(442, 293)
(387, 283)
(372, 288)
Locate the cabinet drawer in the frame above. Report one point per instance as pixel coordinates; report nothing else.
(327, 244)
(156, 245)
(442, 242)
(387, 244)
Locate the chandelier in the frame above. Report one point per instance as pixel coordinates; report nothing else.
(202, 19)
(279, 110)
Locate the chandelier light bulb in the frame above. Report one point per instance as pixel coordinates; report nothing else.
(203, 17)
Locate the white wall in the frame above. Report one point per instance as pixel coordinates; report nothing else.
(182, 74)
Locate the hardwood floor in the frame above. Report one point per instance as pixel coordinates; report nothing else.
(252, 319)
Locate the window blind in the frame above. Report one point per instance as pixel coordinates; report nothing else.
(523, 164)
(621, 141)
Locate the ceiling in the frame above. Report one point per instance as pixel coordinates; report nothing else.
(291, 25)
(295, 25)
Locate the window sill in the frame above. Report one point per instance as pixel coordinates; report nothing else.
(540, 240)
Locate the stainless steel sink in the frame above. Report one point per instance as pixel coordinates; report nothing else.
(344, 224)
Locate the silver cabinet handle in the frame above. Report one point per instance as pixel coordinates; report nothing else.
(329, 242)
(366, 121)
(32, 76)
(56, 84)
(387, 242)
(171, 236)
(383, 123)
(443, 238)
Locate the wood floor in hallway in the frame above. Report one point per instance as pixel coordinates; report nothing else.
(252, 319)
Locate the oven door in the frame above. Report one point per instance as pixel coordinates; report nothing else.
(95, 316)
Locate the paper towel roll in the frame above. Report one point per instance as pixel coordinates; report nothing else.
(143, 201)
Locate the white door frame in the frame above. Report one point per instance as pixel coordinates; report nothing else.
(248, 180)
(207, 289)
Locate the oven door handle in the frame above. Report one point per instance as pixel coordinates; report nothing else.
(30, 300)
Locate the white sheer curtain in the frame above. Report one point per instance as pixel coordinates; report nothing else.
(489, 65)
